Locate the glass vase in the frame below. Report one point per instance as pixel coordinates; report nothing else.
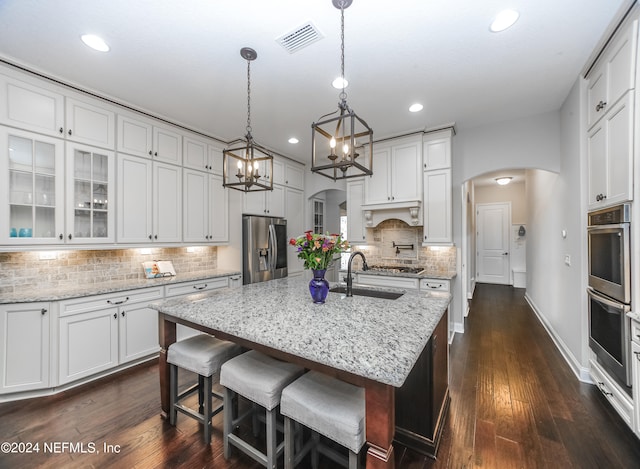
(318, 286)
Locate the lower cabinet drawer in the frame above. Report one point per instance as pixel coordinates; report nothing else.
(427, 284)
(620, 401)
(197, 286)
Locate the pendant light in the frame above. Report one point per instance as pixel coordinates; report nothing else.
(247, 167)
(336, 142)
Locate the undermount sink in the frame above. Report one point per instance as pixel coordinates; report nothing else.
(387, 295)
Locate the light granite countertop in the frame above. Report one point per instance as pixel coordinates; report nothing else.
(35, 293)
(375, 338)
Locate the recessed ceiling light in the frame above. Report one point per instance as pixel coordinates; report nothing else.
(337, 83)
(95, 42)
(293, 140)
(417, 107)
(504, 20)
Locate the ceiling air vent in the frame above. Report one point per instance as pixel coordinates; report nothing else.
(300, 37)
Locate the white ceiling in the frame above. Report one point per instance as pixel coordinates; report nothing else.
(180, 59)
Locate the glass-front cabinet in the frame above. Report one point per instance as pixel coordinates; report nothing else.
(90, 201)
(32, 167)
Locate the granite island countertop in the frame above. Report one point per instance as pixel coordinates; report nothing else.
(36, 293)
(375, 338)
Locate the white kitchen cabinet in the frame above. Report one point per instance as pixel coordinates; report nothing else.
(434, 284)
(610, 156)
(293, 175)
(205, 209)
(436, 151)
(95, 335)
(198, 154)
(294, 213)
(393, 281)
(32, 188)
(25, 351)
(356, 230)
(91, 122)
(143, 137)
(266, 203)
(90, 195)
(437, 207)
(620, 401)
(396, 172)
(29, 106)
(149, 201)
(613, 75)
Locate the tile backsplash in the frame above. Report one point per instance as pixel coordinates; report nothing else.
(28, 269)
(380, 249)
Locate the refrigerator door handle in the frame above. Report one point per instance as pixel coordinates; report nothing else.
(273, 248)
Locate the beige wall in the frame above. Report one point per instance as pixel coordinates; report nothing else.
(513, 192)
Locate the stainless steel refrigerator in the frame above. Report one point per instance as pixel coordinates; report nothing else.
(265, 244)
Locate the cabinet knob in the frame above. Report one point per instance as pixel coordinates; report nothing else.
(69, 132)
(155, 154)
(150, 153)
(155, 237)
(115, 315)
(151, 237)
(60, 236)
(122, 313)
(61, 130)
(43, 311)
(70, 236)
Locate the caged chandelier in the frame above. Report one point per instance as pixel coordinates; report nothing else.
(249, 159)
(339, 136)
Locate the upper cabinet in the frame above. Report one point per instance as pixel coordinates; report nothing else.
(613, 75)
(93, 123)
(31, 107)
(611, 119)
(143, 137)
(437, 204)
(396, 172)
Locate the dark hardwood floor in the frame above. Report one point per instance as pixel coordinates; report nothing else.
(514, 404)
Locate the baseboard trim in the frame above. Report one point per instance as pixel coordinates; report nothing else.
(582, 373)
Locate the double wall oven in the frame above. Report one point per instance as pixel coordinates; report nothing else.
(610, 291)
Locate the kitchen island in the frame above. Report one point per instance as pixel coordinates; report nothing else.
(370, 342)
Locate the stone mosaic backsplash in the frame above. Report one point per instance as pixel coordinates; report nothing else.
(379, 249)
(31, 268)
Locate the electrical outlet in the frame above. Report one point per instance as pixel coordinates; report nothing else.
(567, 259)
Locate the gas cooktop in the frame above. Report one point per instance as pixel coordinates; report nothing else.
(396, 269)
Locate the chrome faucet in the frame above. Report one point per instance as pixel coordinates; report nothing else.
(349, 288)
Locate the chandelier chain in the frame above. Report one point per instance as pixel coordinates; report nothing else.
(249, 97)
(343, 95)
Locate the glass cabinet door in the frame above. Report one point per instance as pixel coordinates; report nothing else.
(90, 182)
(33, 168)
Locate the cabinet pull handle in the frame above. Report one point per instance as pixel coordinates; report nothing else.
(115, 315)
(118, 302)
(200, 288)
(603, 390)
(44, 310)
(600, 105)
(69, 132)
(61, 130)
(123, 314)
(434, 286)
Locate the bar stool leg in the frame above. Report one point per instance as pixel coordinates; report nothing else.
(207, 408)
(200, 393)
(229, 416)
(288, 443)
(173, 393)
(353, 460)
(271, 439)
(314, 450)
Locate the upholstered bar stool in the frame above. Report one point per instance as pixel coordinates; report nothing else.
(204, 355)
(259, 379)
(328, 407)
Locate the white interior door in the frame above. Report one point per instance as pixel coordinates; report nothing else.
(493, 243)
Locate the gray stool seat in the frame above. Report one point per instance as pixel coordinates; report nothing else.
(328, 406)
(260, 379)
(204, 355)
